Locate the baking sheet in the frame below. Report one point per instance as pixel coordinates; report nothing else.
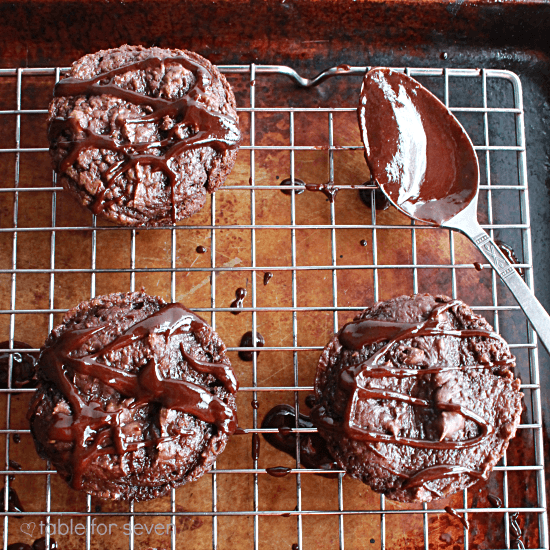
(55, 254)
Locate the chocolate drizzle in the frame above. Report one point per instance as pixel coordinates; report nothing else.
(297, 181)
(381, 202)
(255, 446)
(278, 471)
(246, 342)
(313, 448)
(510, 255)
(415, 148)
(354, 379)
(451, 511)
(95, 431)
(240, 295)
(14, 504)
(23, 374)
(208, 128)
(328, 189)
(40, 544)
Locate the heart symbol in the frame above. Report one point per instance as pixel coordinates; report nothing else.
(28, 528)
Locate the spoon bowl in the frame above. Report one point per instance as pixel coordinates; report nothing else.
(425, 163)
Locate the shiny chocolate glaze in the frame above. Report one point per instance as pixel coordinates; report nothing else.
(288, 181)
(416, 150)
(366, 332)
(255, 446)
(510, 255)
(246, 342)
(40, 544)
(209, 128)
(14, 504)
(267, 277)
(23, 374)
(313, 449)
(278, 471)
(451, 511)
(381, 202)
(328, 189)
(240, 295)
(95, 431)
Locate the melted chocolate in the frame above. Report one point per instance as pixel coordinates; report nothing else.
(209, 128)
(239, 431)
(240, 295)
(201, 249)
(19, 546)
(255, 404)
(313, 448)
(14, 504)
(478, 266)
(328, 189)
(297, 181)
(415, 148)
(343, 68)
(255, 446)
(17, 438)
(381, 202)
(310, 401)
(95, 431)
(246, 342)
(14, 465)
(295, 546)
(455, 514)
(366, 332)
(495, 501)
(23, 373)
(40, 544)
(267, 277)
(363, 242)
(510, 255)
(278, 471)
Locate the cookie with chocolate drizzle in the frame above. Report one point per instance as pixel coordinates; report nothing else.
(417, 398)
(141, 135)
(135, 397)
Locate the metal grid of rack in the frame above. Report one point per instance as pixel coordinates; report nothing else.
(500, 199)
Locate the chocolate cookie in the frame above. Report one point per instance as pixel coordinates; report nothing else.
(417, 397)
(140, 135)
(136, 396)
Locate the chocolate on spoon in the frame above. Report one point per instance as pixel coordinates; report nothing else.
(424, 161)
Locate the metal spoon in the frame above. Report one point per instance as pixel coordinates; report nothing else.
(425, 163)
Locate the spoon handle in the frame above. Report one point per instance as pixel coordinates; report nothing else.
(537, 315)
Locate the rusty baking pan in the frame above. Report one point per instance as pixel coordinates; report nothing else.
(488, 61)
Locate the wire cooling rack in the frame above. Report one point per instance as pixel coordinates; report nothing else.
(329, 259)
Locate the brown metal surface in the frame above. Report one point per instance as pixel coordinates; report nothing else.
(309, 36)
